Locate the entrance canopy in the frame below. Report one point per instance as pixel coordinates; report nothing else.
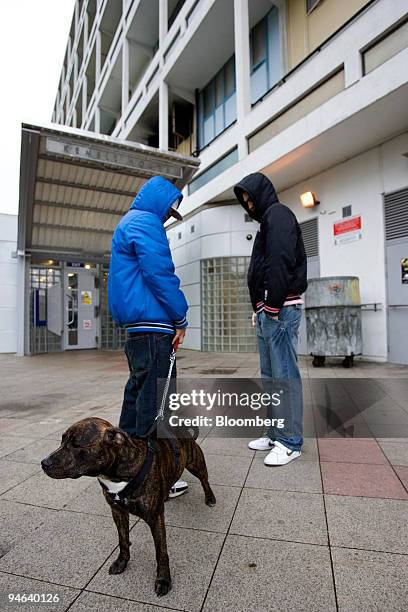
(75, 186)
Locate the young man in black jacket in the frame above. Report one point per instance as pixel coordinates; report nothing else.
(276, 281)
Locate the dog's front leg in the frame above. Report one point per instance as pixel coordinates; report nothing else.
(163, 581)
(121, 518)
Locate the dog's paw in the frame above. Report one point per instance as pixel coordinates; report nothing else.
(118, 566)
(162, 586)
(211, 501)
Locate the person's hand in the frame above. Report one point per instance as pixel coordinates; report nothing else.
(253, 319)
(179, 336)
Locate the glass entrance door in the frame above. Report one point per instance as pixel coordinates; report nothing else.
(81, 328)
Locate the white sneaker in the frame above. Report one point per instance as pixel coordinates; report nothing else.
(280, 455)
(261, 444)
(178, 488)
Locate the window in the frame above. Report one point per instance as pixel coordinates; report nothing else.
(258, 44)
(266, 54)
(217, 107)
(346, 211)
(311, 4)
(210, 173)
(225, 306)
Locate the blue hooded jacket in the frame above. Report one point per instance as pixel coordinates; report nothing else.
(143, 290)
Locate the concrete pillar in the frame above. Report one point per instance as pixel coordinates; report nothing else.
(353, 68)
(98, 57)
(125, 74)
(163, 19)
(242, 68)
(164, 116)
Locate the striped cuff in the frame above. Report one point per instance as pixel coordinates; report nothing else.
(181, 324)
(271, 311)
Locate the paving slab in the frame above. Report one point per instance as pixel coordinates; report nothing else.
(351, 450)
(267, 576)
(367, 581)
(40, 490)
(17, 521)
(67, 549)
(298, 475)
(9, 444)
(281, 515)
(33, 451)
(224, 470)
(402, 472)
(11, 474)
(193, 555)
(368, 523)
(39, 429)
(396, 452)
(359, 479)
(237, 447)
(94, 602)
(19, 584)
(189, 510)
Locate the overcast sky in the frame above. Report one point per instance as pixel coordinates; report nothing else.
(32, 46)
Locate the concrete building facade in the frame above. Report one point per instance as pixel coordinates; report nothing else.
(311, 92)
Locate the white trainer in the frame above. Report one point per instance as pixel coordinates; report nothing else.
(178, 488)
(261, 444)
(281, 455)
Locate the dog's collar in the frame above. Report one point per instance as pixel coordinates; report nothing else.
(112, 487)
(125, 489)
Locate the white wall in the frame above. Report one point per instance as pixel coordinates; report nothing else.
(359, 182)
(218, 232)
(8, 284)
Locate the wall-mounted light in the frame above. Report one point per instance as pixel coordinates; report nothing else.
(308, 199)
(87, 266)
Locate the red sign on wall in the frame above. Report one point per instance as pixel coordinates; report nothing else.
(348, 225)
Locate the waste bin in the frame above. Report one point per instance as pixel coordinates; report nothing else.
(333, 318)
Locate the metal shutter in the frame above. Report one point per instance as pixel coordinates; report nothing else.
(310, 235)
(396, 214)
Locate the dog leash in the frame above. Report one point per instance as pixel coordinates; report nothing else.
(160, 414)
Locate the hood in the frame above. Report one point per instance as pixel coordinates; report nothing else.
(262, 193)
(156, 196)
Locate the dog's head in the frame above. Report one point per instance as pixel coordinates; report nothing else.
(88, 448)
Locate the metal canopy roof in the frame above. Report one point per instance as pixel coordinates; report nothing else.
(75, 186)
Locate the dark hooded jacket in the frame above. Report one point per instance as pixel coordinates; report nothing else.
(278, 264)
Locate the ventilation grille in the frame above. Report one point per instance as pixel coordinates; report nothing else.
(396, 214)
(310, 237)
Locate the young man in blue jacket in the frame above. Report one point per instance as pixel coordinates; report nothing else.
(145, 297)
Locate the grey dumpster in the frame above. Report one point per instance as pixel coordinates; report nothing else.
(333, 318)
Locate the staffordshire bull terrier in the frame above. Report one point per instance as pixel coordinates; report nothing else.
(135, 476)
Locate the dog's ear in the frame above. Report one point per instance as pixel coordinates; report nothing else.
(115, 436)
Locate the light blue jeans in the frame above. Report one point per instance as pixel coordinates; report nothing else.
(277, 342)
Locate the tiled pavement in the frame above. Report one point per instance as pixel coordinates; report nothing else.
(326, 532)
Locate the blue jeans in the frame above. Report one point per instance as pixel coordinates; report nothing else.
(277, 342)
(148, 356)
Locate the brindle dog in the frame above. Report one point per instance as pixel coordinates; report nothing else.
(93, 447)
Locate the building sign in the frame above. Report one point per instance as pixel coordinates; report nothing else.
(86, 298)
(404, 271)
(145, 163)
(347, 230)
